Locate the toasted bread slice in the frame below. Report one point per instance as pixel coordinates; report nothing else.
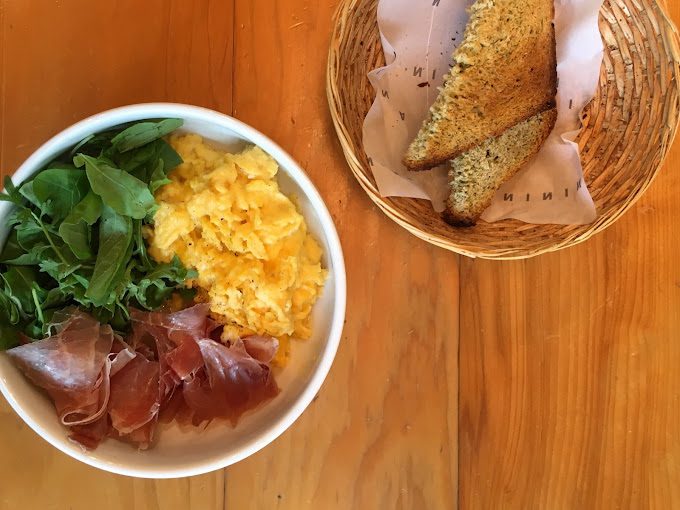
(476, 175)
(503, 72)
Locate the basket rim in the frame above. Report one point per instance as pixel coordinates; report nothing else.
(667, 30)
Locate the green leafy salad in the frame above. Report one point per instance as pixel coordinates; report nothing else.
(76, 233)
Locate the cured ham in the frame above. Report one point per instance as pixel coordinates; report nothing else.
(175, 337)
(135, 396)
(168, 368)
(89, 436)
(70, 367)
(262, 348)
(230, 383)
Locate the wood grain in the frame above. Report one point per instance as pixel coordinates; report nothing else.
(37, 476)
(382, 433)
(569, 380)
(60, 62)
(65, 60)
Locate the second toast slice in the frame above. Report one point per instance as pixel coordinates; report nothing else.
(476, 175)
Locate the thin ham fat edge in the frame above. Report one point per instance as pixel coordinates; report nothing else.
(167, 369)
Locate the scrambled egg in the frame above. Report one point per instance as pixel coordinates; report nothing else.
(223, 214)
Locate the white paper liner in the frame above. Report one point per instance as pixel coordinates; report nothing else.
(418, 38)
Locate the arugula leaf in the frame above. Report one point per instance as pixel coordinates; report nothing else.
(18, 284)
(74, 286)
(136, 160)
(74, 229)
(14, 254)
(158, 177)
(30, 235)
(65, 215)
(115, 243)
(159, 284)
(54, 268)
(12, 248)
(124, 280)
(119, 190)
(31, 258)
(143, 133)
(140, 246)
(55, 297)
(34, 329)
(141, 162)
(120, 317)
(150, 163)
(18, 216)
(33, 232)
(25, 219)
(9, 335)
(60, 189)
(168, 155)
(95, 144)
(104, 314)
(11, 192)
(27, 192)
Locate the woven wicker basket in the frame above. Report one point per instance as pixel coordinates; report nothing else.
(628, 127)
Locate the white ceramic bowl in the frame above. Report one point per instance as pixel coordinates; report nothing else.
(181, 453)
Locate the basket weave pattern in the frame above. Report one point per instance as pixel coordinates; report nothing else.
(627, 128)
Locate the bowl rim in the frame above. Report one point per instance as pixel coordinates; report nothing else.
(140, 111)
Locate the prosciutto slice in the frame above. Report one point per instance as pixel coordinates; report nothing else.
(262, 348)
(175, 336)
(184, 359)
(231, 383)
(135, 397)
(90, 435)
(70, 366)
(191, 322)
(168, 368)
(143, 436)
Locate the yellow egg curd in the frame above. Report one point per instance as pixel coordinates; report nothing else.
(224, 215)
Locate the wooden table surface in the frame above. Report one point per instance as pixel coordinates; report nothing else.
(552, 383)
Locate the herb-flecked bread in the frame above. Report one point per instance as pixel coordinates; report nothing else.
(503, 73)
(476, 175)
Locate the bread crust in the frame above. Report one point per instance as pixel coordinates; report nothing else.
(503, 74)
